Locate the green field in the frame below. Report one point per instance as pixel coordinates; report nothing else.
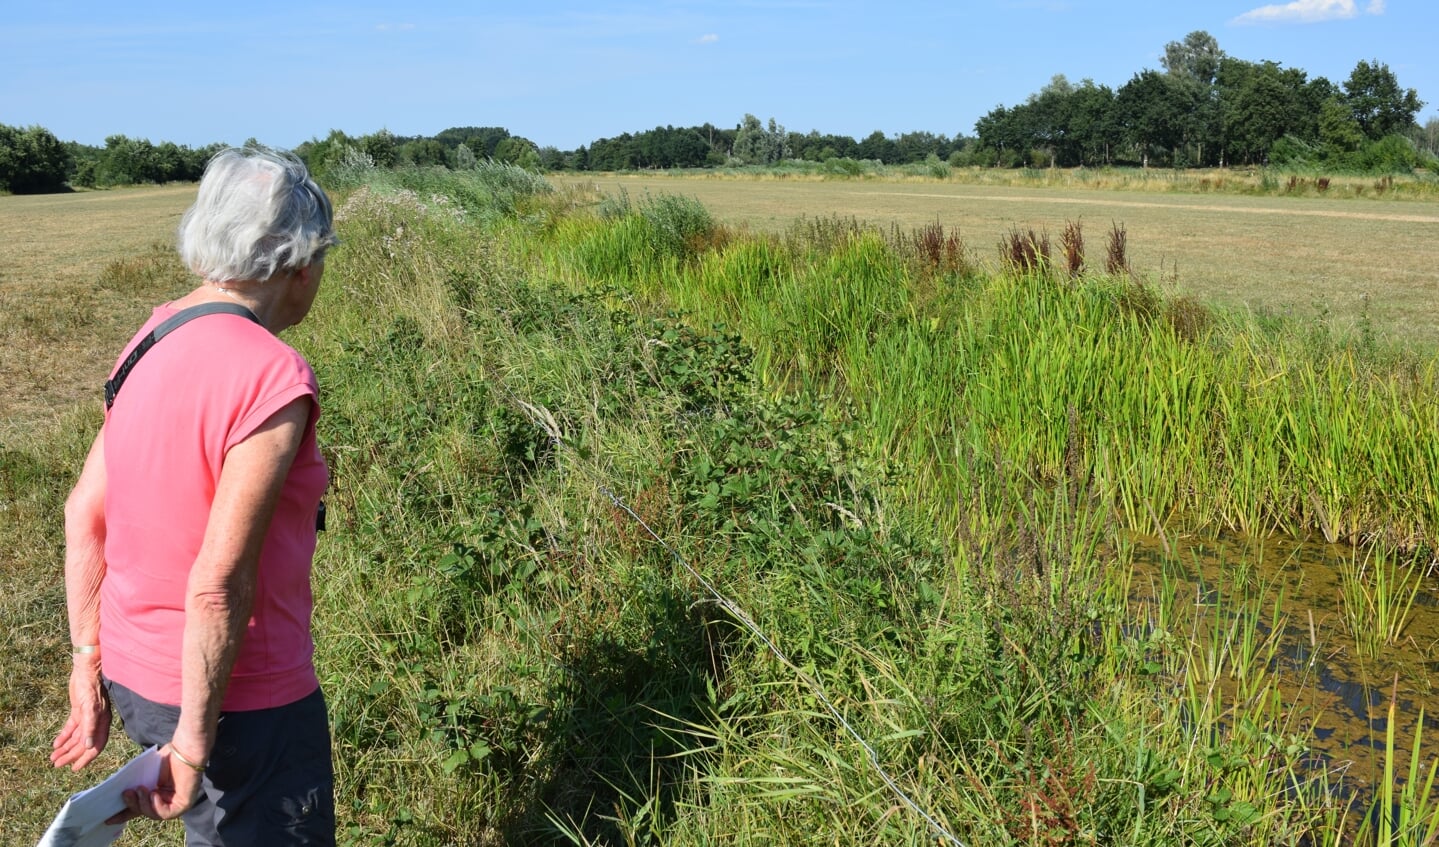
(588, 450)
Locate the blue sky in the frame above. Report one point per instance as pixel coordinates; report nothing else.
(566, 73)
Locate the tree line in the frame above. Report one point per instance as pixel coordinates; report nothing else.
(1204, 109)
(752, 142)
(1208, 109)
(34, 161)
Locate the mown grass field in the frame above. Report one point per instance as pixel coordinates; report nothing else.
(917, 471)
(1311, 257)
(63, 318)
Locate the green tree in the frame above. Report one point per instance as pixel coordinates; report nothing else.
(750, 145)
(1312, 97)
(1003, 130)
(1377, 102)
(578, 159)
(126, 161)
(1093, 123)
(1156, 111)
(1259, 104)
(612, 154)
(1194, 64)
(779, 141)
(86, 159)
(9, 155)
(551, 159)
(815, 146)
(382, 148)
(323, 155)
(721, 142)
(1339, 134)
(423, 152)
(912, 147)
(671, 147)
(879, 147)
(1429, 137)
(515, 150)
(755, 144)
(1196, 58)
(32, 160)
(1049, 115)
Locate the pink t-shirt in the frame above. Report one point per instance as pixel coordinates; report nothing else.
(199, 391)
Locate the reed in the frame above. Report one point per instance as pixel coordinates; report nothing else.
(1072, 241)
(1116, 260)
(1025, 253)
(1406, 810)
(1377, 594)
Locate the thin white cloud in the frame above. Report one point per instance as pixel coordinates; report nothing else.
(1307, 12)
(1052, 6)
(707, 38)
(394, 27)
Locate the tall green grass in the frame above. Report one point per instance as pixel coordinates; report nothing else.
(1212, 420)
(914, 476)
(1157, 414)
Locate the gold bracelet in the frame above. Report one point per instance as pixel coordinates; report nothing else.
(186, 762)
(84, 649)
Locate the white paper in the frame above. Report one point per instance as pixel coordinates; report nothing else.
(81, 822)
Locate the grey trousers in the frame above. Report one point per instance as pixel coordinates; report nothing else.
(270, 780)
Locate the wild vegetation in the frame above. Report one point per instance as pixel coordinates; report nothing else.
(648, 530)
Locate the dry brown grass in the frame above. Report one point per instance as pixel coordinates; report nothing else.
(78, 273)
(1304, 255)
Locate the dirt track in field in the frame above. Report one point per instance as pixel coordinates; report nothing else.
(1125, 204)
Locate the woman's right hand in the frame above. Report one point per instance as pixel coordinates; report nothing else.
(87, 730)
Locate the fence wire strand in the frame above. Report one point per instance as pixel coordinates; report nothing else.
(545, 421)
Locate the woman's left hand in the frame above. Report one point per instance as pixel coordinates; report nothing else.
(176, 790)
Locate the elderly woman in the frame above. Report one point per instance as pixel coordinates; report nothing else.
(190, 533)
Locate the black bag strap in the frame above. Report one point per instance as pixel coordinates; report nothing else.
(112, 385)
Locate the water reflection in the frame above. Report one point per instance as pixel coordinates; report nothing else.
(1337, 693)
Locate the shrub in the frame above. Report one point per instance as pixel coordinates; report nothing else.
(843, 165)
(1388, 155)
(938, 168)
(680, 226)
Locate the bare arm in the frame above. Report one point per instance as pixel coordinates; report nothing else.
(87, 729)
(219, 597)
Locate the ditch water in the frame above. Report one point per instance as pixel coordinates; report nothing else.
(1332, 686)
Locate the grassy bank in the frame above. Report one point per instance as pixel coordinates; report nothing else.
(646, 531)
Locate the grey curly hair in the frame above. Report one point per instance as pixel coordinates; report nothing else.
(258, 213)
